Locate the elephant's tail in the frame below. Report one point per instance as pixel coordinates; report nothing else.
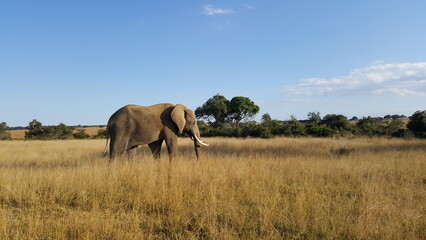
(106, 145)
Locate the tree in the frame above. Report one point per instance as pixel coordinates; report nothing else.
(242, 108)
(314, 117)
(294, 127)
(215, 107)
(35, 129)
(81, 134)
(354, 119)
(3, 127)
(369, 126)
(336, 122)
(62, 131)
(417, 124)
(266, 119)
(3, 133)
(318, 131)
(394, 127)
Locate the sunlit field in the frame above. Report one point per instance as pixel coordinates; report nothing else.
(283, 188)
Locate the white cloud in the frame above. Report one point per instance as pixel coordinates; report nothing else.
(211, 10)
(379, 79)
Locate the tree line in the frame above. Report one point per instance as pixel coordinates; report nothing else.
(328, 126)
(219, 116)
(233, 118)
(36, 130)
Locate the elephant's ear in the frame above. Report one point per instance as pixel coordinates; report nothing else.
(178, 116)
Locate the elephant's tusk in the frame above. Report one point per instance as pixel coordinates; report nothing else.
(199, 141)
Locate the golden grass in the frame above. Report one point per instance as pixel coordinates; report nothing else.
(17, 134)
(282, 188)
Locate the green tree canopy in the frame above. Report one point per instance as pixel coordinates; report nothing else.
(266, 118)
(215, 107)
(81, 134)
(336, 122)
(314, 117)
(3, 127)
(242, 108)
(35, 129)
(369, 126)
(3, 131)
(417, 124)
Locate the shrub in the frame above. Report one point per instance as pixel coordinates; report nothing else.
(336, 122)
(60, 132)
(318, 131)
(369, 126)
(256, 130)
(37, 131)
(102, 133)
(281, 130)
(417, 124)
(80, 134)
(3, 133)
(296, 129)
(393, 127)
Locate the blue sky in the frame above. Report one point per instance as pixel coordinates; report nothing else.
(77, 62)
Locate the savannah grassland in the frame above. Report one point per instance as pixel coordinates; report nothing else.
(282, 188)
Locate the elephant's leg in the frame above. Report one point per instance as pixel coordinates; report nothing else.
(129, 151)
(156, 148)
(172, 147)
(112, 148)
(118, 146)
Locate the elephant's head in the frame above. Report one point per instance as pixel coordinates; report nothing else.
(186, 122)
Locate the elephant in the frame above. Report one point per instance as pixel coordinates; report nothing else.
(134, 125)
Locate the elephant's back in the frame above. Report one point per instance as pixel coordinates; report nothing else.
(117, 115)
(132, 110)
(153, 109)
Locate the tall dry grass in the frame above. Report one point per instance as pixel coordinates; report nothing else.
(242, 189)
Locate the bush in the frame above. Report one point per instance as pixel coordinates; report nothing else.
(393, 127)
(266, 133)
(403, 133)
(296, 129)
(3, 133)
(318, 131)
(281, 130)
(59, 132)
(256, 130)
(102, 133)
(37, 131)
(80, 134)
(336, 122)
(369, 126)
(417, 124)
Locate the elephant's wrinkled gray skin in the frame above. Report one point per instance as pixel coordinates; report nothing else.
(134, 125)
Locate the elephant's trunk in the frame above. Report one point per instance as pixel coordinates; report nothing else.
(194, 135)
(196, 147)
